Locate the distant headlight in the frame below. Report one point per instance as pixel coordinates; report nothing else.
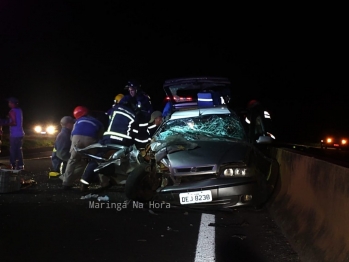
(329, 140)
(237, 172)
(38, 129)
(50, 130)
(344, 141)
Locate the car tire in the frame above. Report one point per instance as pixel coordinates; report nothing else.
(139, 184)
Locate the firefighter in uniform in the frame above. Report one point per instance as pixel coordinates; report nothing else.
(116, 101)
(141, 101)
(121, 131)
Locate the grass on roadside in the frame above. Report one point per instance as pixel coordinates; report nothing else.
(32, 141)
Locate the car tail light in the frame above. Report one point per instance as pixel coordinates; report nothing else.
(183, 99)
(180, 99)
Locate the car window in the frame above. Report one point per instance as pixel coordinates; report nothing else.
(206, 127)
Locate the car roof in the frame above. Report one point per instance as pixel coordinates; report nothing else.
(219, 110)
(193, 80)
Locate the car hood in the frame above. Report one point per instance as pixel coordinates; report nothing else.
(207, 157)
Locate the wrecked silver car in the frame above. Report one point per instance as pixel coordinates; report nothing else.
(203, 157)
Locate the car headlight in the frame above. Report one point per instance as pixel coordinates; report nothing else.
(50, 130)
(38, 129)
(236, 172)
(329, 140)
(344, 141)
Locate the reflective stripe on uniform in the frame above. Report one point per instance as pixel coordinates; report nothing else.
(151, 127)
(144, 124)
(116, 137)
(141, 141)
(87, 121)
(128, 112)
(116, 134)
(108, 132)
(135, 130)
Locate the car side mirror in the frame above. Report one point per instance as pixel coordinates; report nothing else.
(264, 140)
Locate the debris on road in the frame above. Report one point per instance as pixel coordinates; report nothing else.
(89, 196)
(170, 229)
(242, 237)
(103, 198)
(152, 212)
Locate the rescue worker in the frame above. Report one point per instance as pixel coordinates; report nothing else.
(87, 130)
(61, 154)
(120, 131)
(116, 101)
(142, 101)
(156, 120)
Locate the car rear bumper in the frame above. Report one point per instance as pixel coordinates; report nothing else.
(226, 193)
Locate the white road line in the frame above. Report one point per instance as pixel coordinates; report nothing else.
(205, 248)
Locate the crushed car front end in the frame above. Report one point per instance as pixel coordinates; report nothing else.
(207, 161)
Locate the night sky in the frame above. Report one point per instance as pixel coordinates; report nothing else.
(55, 55)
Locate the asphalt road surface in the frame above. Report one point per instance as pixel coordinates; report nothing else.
(42, 222)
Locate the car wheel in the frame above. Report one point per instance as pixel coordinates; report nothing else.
(140, 184)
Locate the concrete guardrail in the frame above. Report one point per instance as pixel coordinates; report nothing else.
(311, 206)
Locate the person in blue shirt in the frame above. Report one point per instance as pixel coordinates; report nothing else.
(16, 134)
(61, 149)
(87, 130)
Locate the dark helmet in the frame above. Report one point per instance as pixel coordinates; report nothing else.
(133, 83)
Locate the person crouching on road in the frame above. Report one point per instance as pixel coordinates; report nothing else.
(121, 132)
(61, 149)
(87, 130)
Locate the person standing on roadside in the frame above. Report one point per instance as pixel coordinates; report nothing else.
(16, 134)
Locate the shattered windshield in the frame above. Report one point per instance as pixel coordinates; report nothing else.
(206, 127)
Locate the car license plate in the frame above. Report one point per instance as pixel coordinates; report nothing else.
(195, 197)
